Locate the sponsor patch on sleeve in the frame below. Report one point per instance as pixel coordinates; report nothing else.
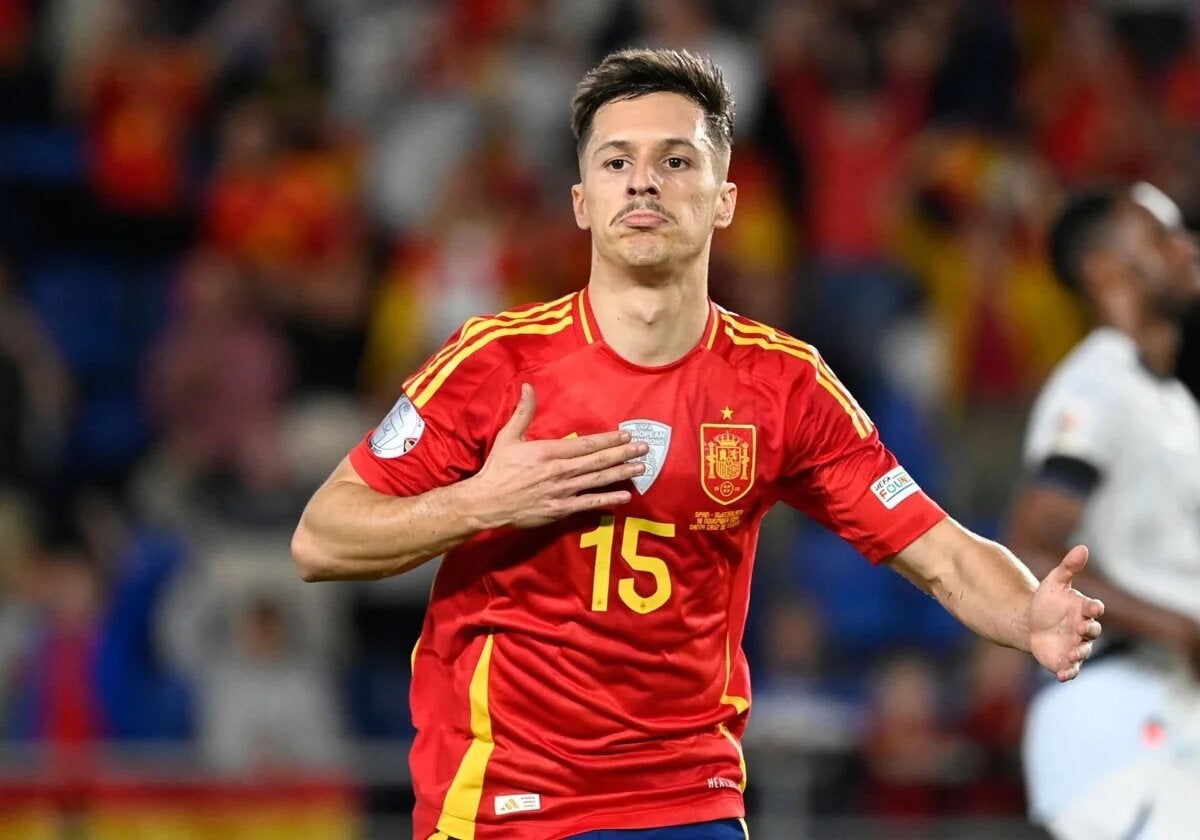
(894, 487)
(399, 431)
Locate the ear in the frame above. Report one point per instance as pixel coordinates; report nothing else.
(726, 202)
(580, 206)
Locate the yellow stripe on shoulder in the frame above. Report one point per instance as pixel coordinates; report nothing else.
(474, 326)
(769, 339)
(754, 327)
(519, 328)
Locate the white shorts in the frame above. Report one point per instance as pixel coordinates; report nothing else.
(1114, 754)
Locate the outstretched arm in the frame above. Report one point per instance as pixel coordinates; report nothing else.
(988, 589)
(350, 531)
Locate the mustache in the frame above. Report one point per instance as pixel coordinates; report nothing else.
(641, 206)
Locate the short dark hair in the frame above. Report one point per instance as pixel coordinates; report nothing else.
(1081, 226)
(628, 74)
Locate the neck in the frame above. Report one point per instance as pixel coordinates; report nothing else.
(1158, 342)
(1157, 337)
(649, 320)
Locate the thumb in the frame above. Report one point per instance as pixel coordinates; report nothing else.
(522, 415)
(1070, 566)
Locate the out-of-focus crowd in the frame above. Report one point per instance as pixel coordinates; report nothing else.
(230, 228)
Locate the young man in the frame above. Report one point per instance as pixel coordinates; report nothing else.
(580, 667)
(1114, 448)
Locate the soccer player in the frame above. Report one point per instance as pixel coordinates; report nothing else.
(595, 470)
(1113, 446)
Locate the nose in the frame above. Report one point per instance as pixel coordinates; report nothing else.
(641, 181)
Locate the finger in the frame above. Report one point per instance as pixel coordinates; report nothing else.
(1089, 630)
(1068, 674)
(593, 501)
(1093, 608)
(587, 444)
(1071, 565)
(1080, 653)
(521, 417)
(604, 459)
(602, 478)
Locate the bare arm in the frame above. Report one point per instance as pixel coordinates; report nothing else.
(978, 581)
(1043, 520)
(351, 532)
(983, 585)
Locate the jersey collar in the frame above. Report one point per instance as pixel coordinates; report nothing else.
(589, 331)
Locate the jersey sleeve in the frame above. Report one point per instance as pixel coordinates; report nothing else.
(1076, 419)
(837, 471)
(442, 426)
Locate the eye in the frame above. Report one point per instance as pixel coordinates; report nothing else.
(616, 165)
(676, 163)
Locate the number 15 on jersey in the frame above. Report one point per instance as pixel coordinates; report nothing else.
(603, 538)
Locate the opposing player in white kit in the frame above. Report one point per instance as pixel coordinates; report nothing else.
(1114, 449)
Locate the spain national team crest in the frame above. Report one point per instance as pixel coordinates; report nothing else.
(727, 453)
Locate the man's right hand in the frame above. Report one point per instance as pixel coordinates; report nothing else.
(527, 483)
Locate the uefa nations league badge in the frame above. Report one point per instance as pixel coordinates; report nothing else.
(399, 431)
(657, 436)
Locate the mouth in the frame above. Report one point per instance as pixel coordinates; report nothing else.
(643, 219)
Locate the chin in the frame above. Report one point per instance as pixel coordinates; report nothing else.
(645, 257)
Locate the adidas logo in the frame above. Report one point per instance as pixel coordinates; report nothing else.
(513, 803)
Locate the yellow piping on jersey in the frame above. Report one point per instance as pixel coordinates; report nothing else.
(583, 319)
(823, 370)
(461, 805)
(825, 377)
(474, 327)
(528, 328)
(712, 333)
(724, 730)
(739, 703)
(432, 586)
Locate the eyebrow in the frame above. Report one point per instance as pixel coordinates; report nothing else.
(662, 145)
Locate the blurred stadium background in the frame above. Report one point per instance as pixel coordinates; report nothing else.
(228, 229)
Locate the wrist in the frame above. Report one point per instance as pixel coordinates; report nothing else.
(471, 505)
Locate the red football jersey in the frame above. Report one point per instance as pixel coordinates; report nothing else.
(589, 674)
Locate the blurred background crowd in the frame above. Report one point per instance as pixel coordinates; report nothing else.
(230, 228)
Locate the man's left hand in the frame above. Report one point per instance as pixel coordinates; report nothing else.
(1063, 623)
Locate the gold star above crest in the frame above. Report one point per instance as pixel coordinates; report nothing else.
(726, 413)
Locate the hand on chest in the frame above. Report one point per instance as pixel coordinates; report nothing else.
(705, 455)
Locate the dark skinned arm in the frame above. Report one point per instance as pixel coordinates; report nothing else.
(1044, 518)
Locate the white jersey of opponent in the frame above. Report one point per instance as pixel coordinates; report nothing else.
(1142, 432)
(1135, 717)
